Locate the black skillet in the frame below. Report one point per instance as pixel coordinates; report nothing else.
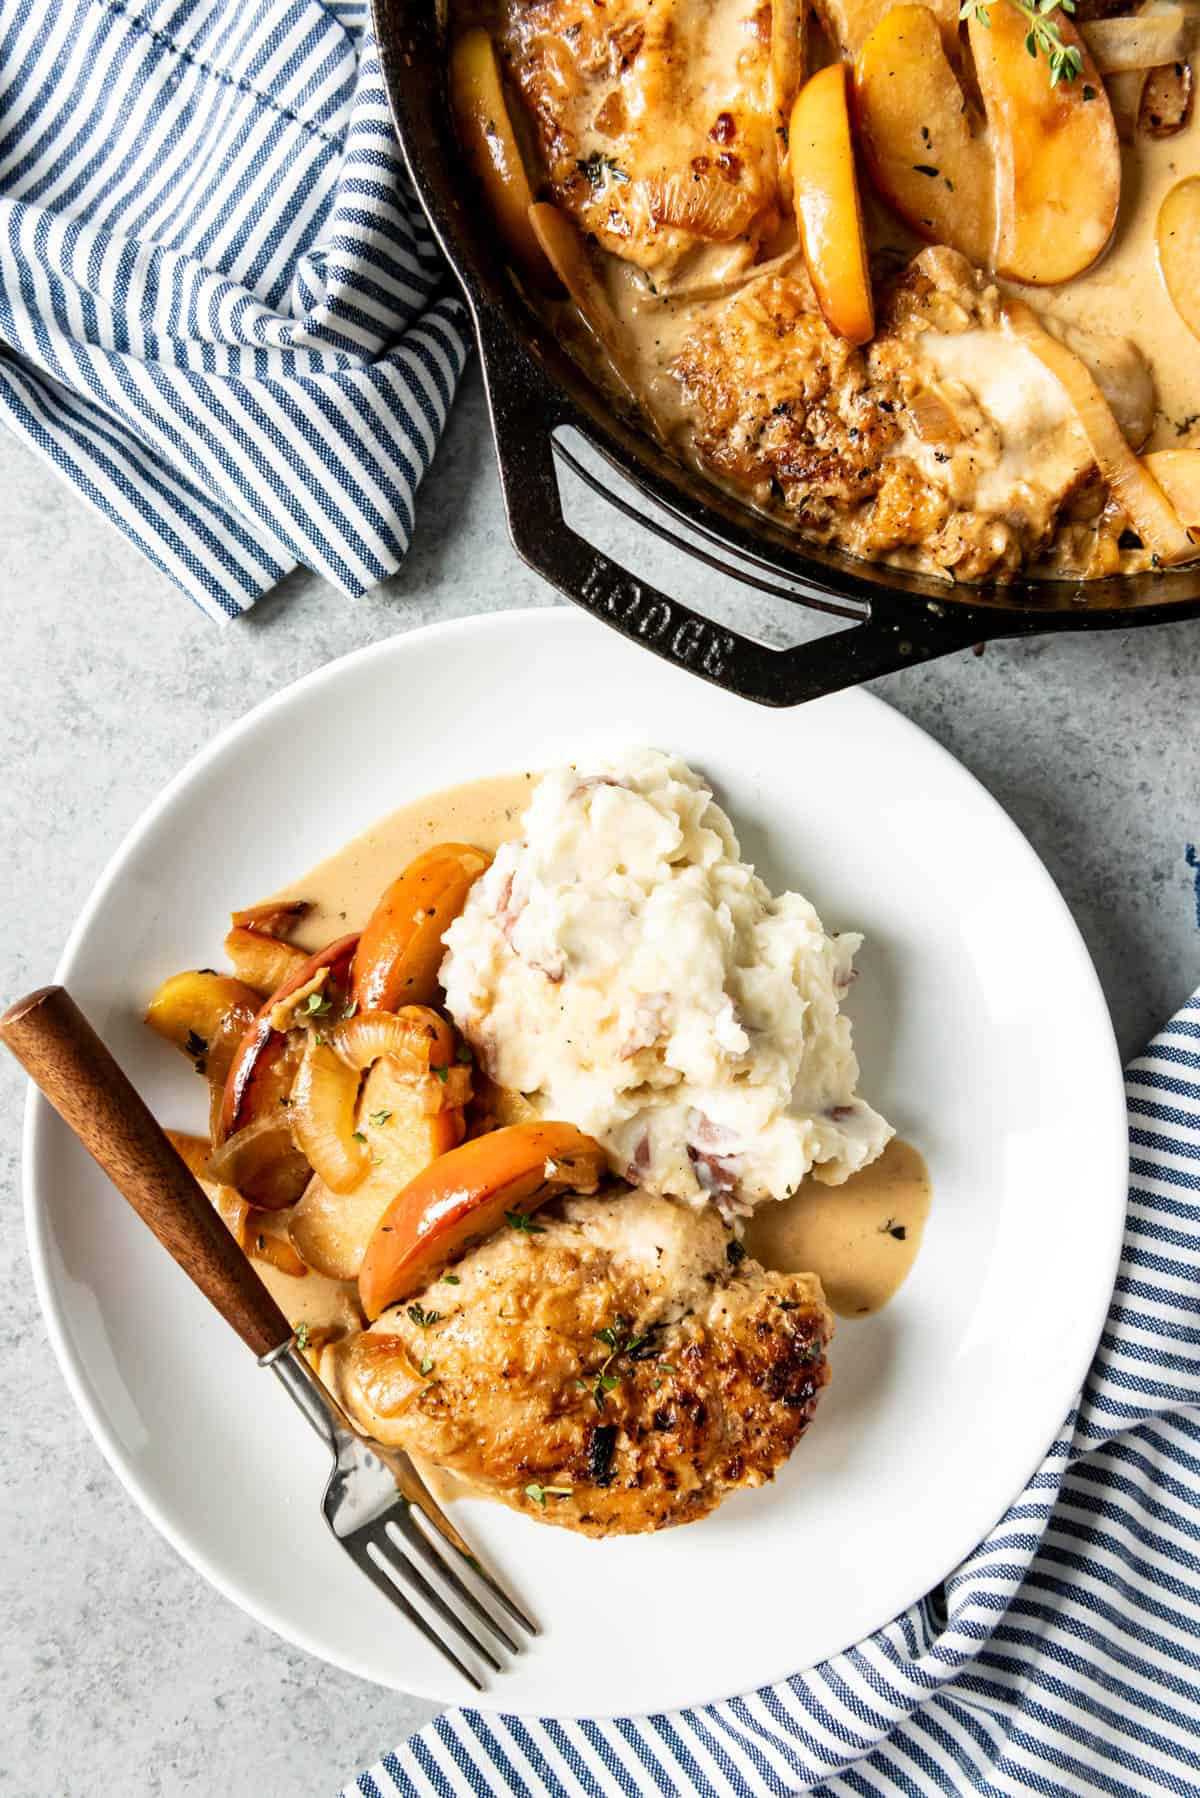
(535, 388)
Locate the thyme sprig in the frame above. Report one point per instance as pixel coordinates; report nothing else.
(1043, 37)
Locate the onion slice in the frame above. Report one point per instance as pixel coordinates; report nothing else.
(262, 1162)
(421, 1045)
(1146, 42)
(322, 1117)
(567, 255)
(789, 53)
(1132, 485)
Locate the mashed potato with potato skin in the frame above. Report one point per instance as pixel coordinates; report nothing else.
(623, 967)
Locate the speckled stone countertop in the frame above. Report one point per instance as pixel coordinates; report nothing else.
(121, 1673)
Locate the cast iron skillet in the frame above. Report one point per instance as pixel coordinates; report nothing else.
(534, 389)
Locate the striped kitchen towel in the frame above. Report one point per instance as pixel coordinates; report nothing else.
(1063, 1657)
(223, 316)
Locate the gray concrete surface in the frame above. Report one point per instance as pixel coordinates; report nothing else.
(120, 1671)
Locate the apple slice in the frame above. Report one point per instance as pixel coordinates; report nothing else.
(253, 1087)
(465, 1196)
(262, 961)
(1178, 235)
(1178, 474)
(206, 1015)
(400, 950)
(485, 131)
(329, 1230)
(828, 208)
(916, 133)
(1058, 158)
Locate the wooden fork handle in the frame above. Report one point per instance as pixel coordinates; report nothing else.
(62, 1055)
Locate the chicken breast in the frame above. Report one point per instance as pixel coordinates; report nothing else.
(620, 1367)
(944, 439)
(655, 119)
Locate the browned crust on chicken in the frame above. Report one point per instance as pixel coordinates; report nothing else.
(839, 438)
(653, 122)
(625, 1354)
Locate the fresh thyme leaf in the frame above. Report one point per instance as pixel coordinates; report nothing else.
(379, 1118)
(351, 1010)
(517, 1220)
(316, 1006)
(1044, 37)
(599, 169)
(421, 1317)
(539, 1494)
(358, 1136)
(426, 1367)
(301, 1336)
(926, 168)
(195, 1045)
(451, 1280)
(464, 1052)
(443, 1072)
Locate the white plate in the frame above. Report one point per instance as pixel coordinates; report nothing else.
(983, 1036)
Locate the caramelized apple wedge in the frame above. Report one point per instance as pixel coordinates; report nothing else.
(400, 951)
(467, 1195)
(485, 131)
(1058, 158)
(329, 1230)
(204, 1014)
(828, 209)
(1178, 236)
(916, 132)
(254, 1087)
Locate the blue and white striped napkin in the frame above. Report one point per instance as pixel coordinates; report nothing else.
(1064, 1656)
(222, 315)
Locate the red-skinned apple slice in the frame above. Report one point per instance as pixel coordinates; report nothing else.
(400, 950)
(464, 1197)
(250, 1092)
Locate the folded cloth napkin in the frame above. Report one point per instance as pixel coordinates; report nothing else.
(223, 316)
(1063, 1657)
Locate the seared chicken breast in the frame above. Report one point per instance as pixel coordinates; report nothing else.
(944, 436)
(619, 1366)
(655, 121)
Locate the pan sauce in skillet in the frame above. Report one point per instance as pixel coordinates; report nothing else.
(945, 441)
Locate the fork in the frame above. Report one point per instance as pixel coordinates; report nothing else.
(375, 1502)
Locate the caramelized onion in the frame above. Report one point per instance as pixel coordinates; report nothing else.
(322, 1117)
(276, 917)
(933, 418)
(262, 1162)
(705, 205)
(1130, 482)
(419, 1043)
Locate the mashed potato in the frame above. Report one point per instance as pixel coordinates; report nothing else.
(623, 967)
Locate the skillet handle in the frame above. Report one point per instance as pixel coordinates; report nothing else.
(525, 410)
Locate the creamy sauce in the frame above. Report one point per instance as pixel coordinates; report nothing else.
(861, 1238)
(344, 889)
(1124, 295)
(846, 1234)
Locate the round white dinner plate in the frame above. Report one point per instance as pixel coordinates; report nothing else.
(983, 1037)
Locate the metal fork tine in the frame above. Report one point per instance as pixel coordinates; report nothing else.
(402, 1521)
(384, 1543)
(422, 1500)
(356, 1547)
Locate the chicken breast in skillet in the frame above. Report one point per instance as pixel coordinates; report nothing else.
(654, 118)
(944, 435)
(618, 1367)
